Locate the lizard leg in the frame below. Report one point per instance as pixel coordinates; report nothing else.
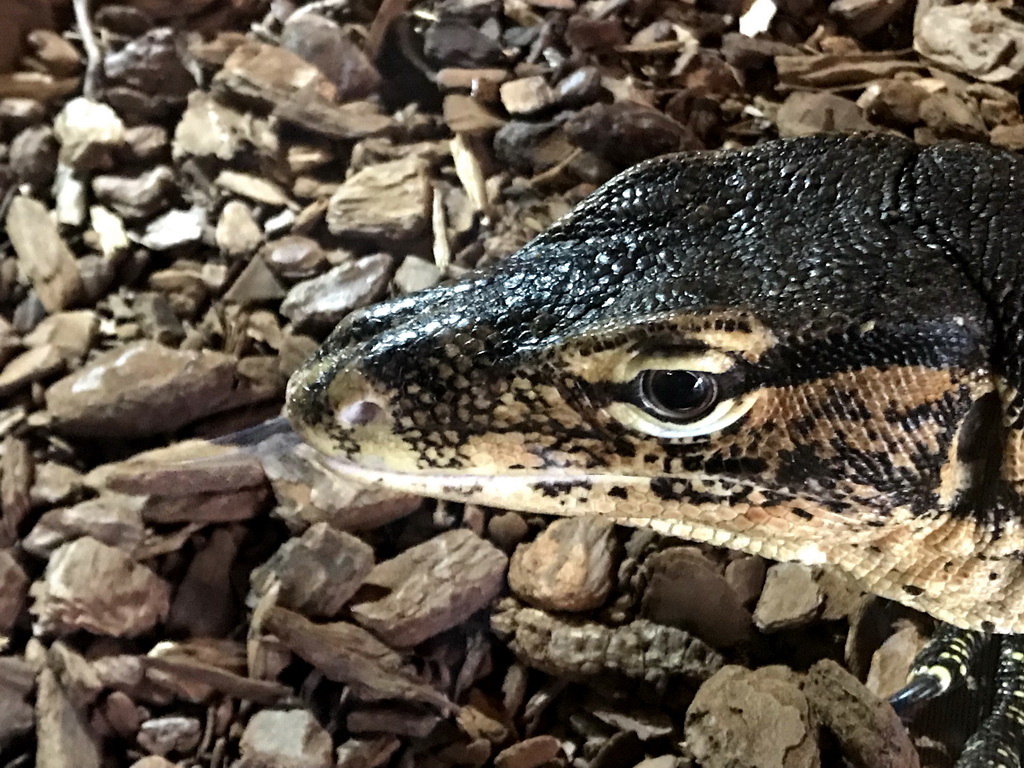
(942, 665)
(999, 742)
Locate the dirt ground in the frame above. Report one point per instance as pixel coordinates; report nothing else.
(196, 191)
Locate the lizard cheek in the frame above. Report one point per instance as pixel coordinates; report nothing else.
(354, 402)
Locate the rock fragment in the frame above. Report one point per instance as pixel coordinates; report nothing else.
(204, 508)
(153, 761)
(55, 484)
(372, 752)
(238, 232)
(757, 718)
(685, 590)
(210, 128)
(952, 117)
(424, 595)
(594, 35)
(806, 113)
(526, 95)
(893, 102)
(174, 228)
(285, 739)
(869, 732)
(42, 254)
(297, 92)
(396, 720)
(109, 231)
(294, 257)
(164, 735)
(862, 17)
(465, 115)
(88, 132)
(1009, 136)
(136, 197)
(746, 575)
(204, 603)
(458, 42)
(318, 571)
(569, 567)
(254, 187)
(416, 274)
(791, 598)
(255, 285)
(507, 530)
(91, 586)
(626, 133)
(323, 42)
(17, 466)
(123, 715)
(33, 156)
(891, 663)
(355, 208)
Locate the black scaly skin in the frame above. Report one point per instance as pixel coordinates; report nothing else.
(861, 299)
(943, 664)
(999, 741)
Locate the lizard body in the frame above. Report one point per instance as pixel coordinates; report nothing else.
(808, 350)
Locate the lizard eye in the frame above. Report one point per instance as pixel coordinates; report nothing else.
(676, 396)
(678, 403)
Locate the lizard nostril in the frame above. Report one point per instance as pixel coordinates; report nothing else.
(359, 413)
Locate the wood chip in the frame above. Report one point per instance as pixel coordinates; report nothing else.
(355, 208)
(43, 255)
(140, 390)
(183, 469)
(976, 39)
(64, 737)
(423, 597)
(831, 71)
(92, 586)
(318, 572)
(349, 654)
(17, 471)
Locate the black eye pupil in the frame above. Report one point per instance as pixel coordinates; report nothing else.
(677, 394)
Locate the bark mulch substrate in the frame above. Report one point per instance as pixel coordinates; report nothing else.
(195, 192)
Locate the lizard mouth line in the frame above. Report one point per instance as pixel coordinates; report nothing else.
(457, 486)
(363, 474)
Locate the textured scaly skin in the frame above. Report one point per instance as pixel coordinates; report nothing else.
(857, 301)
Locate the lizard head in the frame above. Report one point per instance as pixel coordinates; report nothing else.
(760, 349)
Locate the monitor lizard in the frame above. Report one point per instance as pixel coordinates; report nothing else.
(809, 350)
